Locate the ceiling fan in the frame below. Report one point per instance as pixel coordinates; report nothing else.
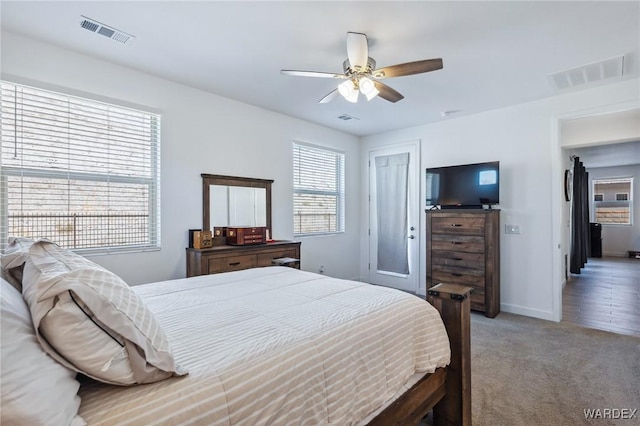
(361, 76)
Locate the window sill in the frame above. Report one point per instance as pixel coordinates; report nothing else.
(319, 234)
(115, 250)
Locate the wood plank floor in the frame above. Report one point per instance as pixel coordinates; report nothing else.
(606, 296)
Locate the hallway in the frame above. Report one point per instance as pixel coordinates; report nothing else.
(605, 296)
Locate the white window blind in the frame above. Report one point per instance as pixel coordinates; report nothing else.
(82, 173)
(318, 190)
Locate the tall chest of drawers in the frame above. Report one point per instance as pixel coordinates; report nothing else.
(463, 247)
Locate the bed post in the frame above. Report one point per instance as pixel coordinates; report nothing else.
(452, 301)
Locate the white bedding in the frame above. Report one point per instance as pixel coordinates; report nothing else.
(276, 346)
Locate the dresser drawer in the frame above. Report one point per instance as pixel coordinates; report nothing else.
(478, 290)
(447, 274)
(264, 259)
(458, 225)
(458, 259)
(236, 263)
(215, 265)
(459, 243)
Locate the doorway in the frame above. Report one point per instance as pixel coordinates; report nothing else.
(605, 294)
(394, 217)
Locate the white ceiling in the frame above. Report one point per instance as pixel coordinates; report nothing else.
(495, 53)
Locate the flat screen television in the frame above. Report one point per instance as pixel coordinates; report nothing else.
(463, 186)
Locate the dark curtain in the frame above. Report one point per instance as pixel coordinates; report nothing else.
(580, 229)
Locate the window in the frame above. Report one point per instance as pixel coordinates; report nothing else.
(82, 173)
(613, 204)
(318, 190)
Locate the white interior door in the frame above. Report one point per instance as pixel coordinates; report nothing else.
(393, 228)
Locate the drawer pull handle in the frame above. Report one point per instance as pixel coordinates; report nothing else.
(457, 258)
(455, 274)
(234, 263)
(456, 225)
(456, 242)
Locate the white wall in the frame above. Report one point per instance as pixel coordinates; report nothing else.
(525, 139)
(201, 133)
(617, 240)
(601, 128)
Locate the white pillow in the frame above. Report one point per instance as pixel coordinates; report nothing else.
(36, 390)
(89, 320)
(13, 259)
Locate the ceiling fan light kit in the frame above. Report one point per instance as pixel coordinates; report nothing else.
(362, 76)
(349, 91)
(367, 88)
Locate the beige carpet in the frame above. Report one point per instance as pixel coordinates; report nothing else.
(532, 372)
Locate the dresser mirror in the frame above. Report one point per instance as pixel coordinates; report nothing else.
(235, 201)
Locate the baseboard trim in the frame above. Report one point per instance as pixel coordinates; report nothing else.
(528, 312)
(615, 254)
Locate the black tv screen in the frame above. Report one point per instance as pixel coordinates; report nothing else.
(467, 185)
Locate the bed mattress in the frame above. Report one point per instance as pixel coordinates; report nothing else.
(276, 346)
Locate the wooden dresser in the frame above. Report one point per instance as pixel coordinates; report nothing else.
(234, 258)
(463, 247)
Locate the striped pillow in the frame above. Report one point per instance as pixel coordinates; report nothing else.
(90, 320)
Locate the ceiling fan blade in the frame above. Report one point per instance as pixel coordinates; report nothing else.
(331, 96)
(357, 51)
(312, 74)
(387, 93)
(408, 68)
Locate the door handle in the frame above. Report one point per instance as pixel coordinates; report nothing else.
(411, 237)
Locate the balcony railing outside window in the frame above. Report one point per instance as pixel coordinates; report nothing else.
(83, 231)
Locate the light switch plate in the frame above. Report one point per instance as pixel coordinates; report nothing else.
(512, 229)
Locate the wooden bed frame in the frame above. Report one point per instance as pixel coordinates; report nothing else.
(447, 390)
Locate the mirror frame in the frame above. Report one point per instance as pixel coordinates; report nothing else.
(208, 180)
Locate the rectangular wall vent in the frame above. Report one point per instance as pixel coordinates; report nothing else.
(105, 30)
(586, 74)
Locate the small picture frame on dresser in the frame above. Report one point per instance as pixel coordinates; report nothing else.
(191, 233)
(199, 239)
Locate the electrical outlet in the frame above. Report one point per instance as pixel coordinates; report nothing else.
(321, 270)
(512, 229)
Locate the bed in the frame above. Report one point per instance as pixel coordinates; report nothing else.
(281, 346)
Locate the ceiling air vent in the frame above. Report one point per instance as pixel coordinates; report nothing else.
(347, 117)
(105, 30)
(586, 74)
